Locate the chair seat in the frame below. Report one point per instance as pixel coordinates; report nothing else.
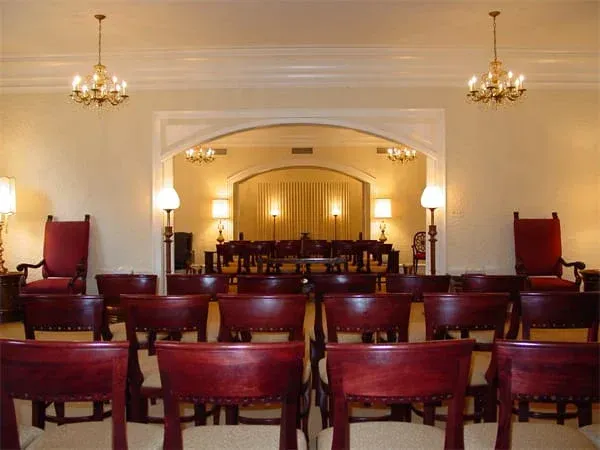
(236, 437)
(551, 284)
(387, 435)
(27, 434)
(419, 255)
(53, 286)
(98, 435)
(592, 432)
(119, 333)
(527, 436)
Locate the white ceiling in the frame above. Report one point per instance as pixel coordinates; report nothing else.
(235, 43)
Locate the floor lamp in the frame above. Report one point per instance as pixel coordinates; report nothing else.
(431, 199)
(8, 203)
(168, 200)
(274, 213)
(335, 212)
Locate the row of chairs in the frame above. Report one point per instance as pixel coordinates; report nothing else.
(229, 374)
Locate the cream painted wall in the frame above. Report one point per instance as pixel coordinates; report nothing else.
(537, 157)
(198, 185)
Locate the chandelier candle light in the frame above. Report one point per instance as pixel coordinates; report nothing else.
(496, 86)
(197, 155)
(99, 88)
(401, 154)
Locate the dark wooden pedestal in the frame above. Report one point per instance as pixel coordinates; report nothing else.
(9, 291)
(591, 279)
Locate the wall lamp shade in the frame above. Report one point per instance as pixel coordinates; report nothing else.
(336, 211)
(275, 212)
(220, 209)
(383, 208)
(432, 197)
(8, 196)
(168, 199)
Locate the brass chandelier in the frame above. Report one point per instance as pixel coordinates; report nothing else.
(99, 88)
(401, 155)
(496, 86)
(197, 155)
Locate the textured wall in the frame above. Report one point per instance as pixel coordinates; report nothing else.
(537, 157)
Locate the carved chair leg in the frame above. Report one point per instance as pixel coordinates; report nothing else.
(38, 414)
(59, 407)
(200, 414)
(324, 401)
(584, 414)
(561, 409)
(429, 414)
(523, 411)
(231, 415)
(98, 410)
(490, 407)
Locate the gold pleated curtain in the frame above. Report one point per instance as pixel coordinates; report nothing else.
(303, 207)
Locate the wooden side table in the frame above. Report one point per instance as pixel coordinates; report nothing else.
(591, 279)
(10, 310)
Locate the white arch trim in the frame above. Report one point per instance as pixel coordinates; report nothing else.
(280, 164)
(422, 129)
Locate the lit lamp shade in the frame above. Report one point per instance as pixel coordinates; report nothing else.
(432, 197)
(168, 199)
(383, 208)
(220, 209)
(8, 197)
(336, 211)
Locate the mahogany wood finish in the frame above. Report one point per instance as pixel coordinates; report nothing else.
(242, 314)
(544, 370)
(368, 314)
(511, 284)
(399, 373)
(154, 314)
(472, 311)
(538, 254)
(192, 284)
(62, 313)
(332, 283)
(419, 249)
(559, 310)
(64, 265)
(59, 372)
(231, 374)
(417, 285)
(112, 285)
(271, 284)
(10, 309)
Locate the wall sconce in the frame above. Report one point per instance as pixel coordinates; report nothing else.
(8, 206)
(335, 212)
(432, 198)
(168, 200)
(274, 212)
(383, 210)
(220, 210)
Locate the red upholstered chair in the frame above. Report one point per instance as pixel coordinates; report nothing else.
(64, 266)
(418, 249)
(538, 254)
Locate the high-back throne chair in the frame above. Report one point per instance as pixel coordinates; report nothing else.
(419, 249)
(538, 255)
(64, 265)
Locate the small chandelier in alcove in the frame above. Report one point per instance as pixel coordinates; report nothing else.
(197, 155)
(402, 154)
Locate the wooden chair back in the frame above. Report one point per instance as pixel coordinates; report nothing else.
(399, 373)
(465, 312)
(231, 374)
(354, 283)
(544, 371)
(511, 284)
(368, 314)
(417, 285)
(287, 249)
(242, 314)
(112, 285)
(61, 371)
(270, 284)
(315, 248)
(62, 313)
(193, 284)
(560, 310)
(168, 313)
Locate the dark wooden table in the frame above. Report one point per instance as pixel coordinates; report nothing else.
(591, 279)
(302, 264)
(10, 310)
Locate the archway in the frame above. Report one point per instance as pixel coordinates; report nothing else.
(422, 129)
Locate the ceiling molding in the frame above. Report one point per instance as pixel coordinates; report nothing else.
(167, 69)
